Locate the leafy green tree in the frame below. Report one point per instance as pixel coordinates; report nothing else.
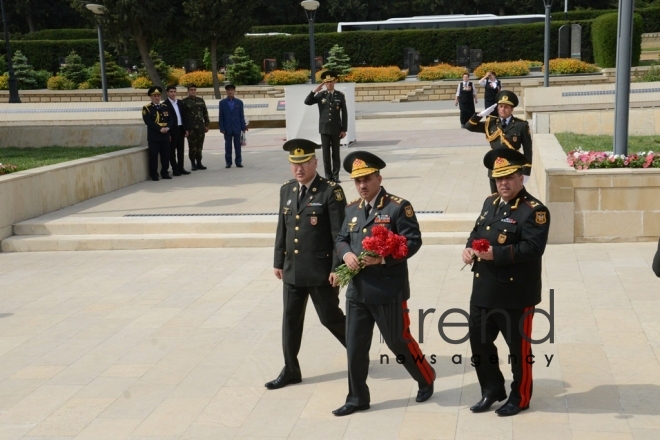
(206, 60)
(115, 74)
(243, 71)
(25, 74)
(3, 64)
(338, 61)
(138, 22)
(74, 70)
(161, 67)
(213, 21)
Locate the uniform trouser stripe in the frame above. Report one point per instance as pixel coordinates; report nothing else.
(413, 347)
(525, 389)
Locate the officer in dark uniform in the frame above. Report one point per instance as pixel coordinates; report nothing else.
(507, 282)
(504, 130)
(157, 115)
(333, 121)
(379, 292)
(310, 215)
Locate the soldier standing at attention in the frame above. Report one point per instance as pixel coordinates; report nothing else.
(504, 130)
(507, 282)
(197, 120)
(333, 121)
(159, 121)
(378, 294)
(311, 213)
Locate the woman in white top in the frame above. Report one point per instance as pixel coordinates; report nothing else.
(466, 98)
(493, 87)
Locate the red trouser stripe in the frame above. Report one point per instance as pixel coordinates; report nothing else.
(414, 349)
(526, 381)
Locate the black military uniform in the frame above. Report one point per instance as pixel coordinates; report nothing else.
(333, 120)
(308, 223)
(506, 288)
(513, 134)
(379, 293)
(158, 116)
(656, 261)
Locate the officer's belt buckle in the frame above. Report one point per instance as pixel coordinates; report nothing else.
(162, 124)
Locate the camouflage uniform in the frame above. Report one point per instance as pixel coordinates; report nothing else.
(197, 119)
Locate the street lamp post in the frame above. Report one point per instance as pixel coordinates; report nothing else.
(100, 10)
(546, 49)
(622, 87)
(311, 6)
(13, 83)
(565, 10)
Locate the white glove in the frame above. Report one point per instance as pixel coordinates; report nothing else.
(488, 111)
(525, 179)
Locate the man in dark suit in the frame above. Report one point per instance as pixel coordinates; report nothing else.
(157, 116)
(333, 121)
(310, 214)
(504, 130)
(178, 133)
(232, 124)
(378, 294)
(507, 282)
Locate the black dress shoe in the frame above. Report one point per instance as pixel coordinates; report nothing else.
(349, 409)
(155, 178)
(200, 166)
(183, 171)
(337, 181)
(166, 176)
(485, 403)
(227, 166)
(509, 409)
(424, 393)
(176, 173)
(193, 167)
(239, 165)
(281, 382)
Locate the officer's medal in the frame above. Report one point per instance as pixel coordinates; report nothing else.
(313, 220)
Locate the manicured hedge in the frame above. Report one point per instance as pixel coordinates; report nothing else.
(295, 28)
(60, 34)
(46, 54)
(651, 16)
(604, 31)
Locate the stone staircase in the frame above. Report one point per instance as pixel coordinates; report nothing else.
(187, 231)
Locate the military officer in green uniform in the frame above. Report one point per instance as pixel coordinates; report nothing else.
(197, 119)
(333, 121)
(507, 282)
(156, 115)
(311, 212)
(504, 130)
(378, 294)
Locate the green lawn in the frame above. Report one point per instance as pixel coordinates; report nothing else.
(26, 158)
(636, 144)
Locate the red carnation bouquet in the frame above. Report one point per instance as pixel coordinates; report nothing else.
(480, 245)
(382, 243)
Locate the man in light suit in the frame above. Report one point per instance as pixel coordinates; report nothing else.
(232, 124)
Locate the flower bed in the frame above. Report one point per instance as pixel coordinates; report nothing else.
(589, 160)
(441, 71)
(568, 66)
(201, 78)
(7, 168)
(284, 77)
(371, 75)
(509, 68)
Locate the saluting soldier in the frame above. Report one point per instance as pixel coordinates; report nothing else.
(333, 121)
(197, 121)
(311, 212)
(507, 282)
(504, 130)
(159, 122)
(378, 294)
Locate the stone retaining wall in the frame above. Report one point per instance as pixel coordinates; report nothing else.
(31, 193)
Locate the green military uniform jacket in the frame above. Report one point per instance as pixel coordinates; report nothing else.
(515, 135)
(304, 243)
(157, 117)
(333, 116)
(197, 115)
(379, 284)
(518, 235)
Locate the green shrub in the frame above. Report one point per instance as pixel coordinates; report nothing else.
(60, 82)
(243, 71)
(441, 71)
(567, 66)
(319, 28)
(42, 77)
(74, 70)
(284, 77)
(338, 61)
(4, 81)
(25, 74)
(116, 75)
(510, 68)
(84, 86)
(604, 39)
(161, 67)
(290, 65)
(62, 34)
(141, 83)
(651, 75)
(46, 54)
(650, 14)
(3, 64)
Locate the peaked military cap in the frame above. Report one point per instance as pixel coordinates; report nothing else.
(329, 75)
(507, 97)
(154, 90)
(362, 163)
(504, 161)
(230, 86)
(300, 150)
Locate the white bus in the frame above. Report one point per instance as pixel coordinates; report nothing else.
(439, 22)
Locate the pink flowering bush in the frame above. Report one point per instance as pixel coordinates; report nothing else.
(590, 160)
(6, 169)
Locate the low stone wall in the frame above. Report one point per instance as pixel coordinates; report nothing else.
(643, 122)
(118, 135)
(31, 193)
(610, 205)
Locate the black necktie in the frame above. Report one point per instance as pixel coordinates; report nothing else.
(367, 210)
(499, 207)
(503, 123)
(303, 191)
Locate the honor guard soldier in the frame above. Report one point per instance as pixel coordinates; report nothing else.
(378, 294)
(197, 119)
(311, 213)
(333, 121)
(159, 121)
(507, 282)
(504, 130)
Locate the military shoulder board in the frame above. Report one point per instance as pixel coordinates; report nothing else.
(395, 199)
(353, 202)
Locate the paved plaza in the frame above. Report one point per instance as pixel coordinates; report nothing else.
(178, 343)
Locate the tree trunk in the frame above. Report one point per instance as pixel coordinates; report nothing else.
(30, 22)
(502, 12)
(143, 48)
(214, 67)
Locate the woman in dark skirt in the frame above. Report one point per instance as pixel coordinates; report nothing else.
(466, 98)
